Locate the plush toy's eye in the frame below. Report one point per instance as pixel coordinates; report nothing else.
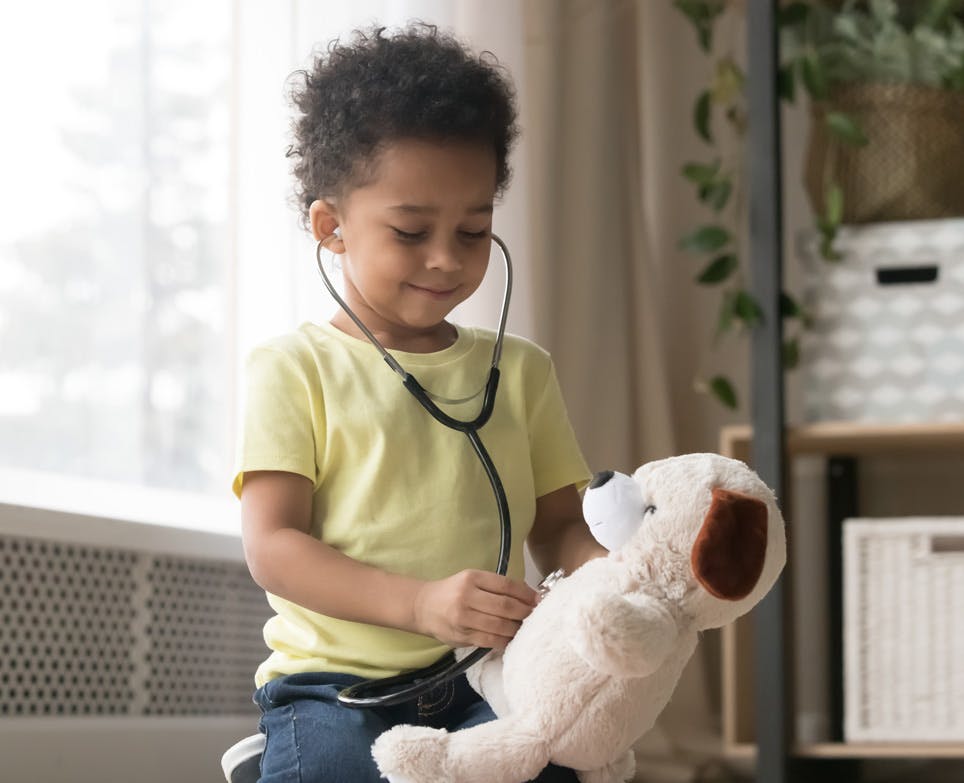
(649, 510)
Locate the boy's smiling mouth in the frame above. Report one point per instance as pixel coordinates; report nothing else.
(436, 293)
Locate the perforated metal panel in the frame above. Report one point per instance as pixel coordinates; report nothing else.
(88, 630)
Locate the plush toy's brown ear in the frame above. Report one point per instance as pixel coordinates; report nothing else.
(728, 555)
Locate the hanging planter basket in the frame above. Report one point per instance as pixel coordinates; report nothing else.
(911, 169)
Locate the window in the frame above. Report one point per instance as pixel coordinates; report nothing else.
(148, 241)
(115, 242)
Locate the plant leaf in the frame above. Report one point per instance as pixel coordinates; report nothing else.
(834, 207)
(747, 309)
(719, 269)
(705, 239)
(936, 12)
(736, 116)
(789, 307)
(701, 116)
(844, 127)
(814, 76)
(702, 14)
(827, 236)
(715, 194)
(719, 194)
(701, 173)
(723, 390)
(727, 82)
(787, 84)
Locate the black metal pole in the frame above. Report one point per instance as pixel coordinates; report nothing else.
(842, 502)
(766, 266)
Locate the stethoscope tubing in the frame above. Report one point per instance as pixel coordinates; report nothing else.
(388, 691)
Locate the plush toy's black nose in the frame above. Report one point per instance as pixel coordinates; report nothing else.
(601, 478)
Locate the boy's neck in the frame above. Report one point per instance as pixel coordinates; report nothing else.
(437, 338)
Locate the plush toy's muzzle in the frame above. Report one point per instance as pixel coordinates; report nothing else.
(613, 508)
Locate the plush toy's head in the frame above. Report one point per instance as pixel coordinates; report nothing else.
(700, 529)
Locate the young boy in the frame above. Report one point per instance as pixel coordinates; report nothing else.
(372, 527)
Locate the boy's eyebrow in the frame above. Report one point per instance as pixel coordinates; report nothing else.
(417, 209)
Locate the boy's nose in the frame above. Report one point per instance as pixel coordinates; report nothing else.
(445, 257)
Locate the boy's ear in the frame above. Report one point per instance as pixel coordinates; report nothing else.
(324, 220)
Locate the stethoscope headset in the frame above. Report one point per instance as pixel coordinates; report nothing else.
(388, 691)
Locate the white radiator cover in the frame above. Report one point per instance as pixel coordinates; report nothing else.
(127, 651)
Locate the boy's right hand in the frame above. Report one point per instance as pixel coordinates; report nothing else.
(473, 608)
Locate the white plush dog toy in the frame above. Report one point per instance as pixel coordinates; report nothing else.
(696, 541)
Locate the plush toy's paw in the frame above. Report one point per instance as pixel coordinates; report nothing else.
(622, 636)
(398, 779)
(411, 754)
(493, 752)
(619, 771)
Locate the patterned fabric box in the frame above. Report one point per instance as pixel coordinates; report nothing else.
(888, 338)
(903, 635)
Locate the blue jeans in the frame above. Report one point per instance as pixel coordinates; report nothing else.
(311, 738)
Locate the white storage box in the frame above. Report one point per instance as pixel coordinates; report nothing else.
(904, 629)
(888, 337)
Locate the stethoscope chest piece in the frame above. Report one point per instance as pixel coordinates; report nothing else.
(549, 582)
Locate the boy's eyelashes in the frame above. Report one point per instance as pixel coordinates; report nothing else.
(409, 236)
(415, 236)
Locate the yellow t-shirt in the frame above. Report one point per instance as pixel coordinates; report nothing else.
(393, 487)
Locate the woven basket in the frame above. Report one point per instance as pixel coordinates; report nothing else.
(913, 167)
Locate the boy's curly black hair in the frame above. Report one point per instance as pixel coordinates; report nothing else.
(378, 88)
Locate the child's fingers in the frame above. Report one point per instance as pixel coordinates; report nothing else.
(473, 608)
(489, 641)
(481, 622)
(499, 605)
(502, 585)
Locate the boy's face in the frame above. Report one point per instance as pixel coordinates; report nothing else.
(417, 235)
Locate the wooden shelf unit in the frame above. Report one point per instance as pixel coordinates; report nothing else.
(829, 439)
(852, 438)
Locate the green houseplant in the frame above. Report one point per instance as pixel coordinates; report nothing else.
(885, 81)
(892, 77)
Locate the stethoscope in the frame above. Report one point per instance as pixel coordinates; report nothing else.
(404, 687)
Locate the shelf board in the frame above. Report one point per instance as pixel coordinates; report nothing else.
(848, 438)
(859, 750)
(881, 750)
(740, 751)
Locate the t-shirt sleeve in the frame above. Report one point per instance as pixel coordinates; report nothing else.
(557, 460)
(279, 424)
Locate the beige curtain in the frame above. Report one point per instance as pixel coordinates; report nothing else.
(598, 310)
(608, 86)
